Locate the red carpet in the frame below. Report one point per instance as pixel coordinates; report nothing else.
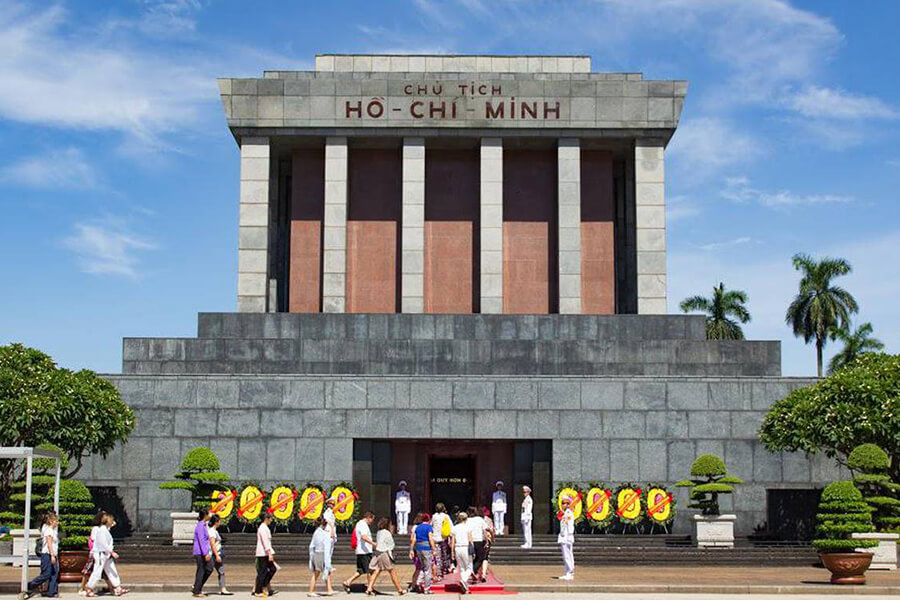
(450, 585)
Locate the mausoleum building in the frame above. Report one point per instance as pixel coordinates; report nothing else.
(452, 271)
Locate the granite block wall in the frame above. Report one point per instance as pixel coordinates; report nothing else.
(301, 427)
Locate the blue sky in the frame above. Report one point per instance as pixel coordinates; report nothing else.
(119, 178)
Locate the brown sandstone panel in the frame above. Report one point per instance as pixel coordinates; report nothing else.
(373, 227)
(448, 267)
(598, 254)
(452, 181)
(371, 266)
(307, 210)
(529, 232)
(525, 268)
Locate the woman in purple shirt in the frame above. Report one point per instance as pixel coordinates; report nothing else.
(202, 553)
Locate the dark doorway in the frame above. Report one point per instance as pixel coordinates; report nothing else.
(792, 513)
(452, 481)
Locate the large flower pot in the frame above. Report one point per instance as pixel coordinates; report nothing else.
(183, 524)
(885, 553)
(71, 562)
(714, 531)
(847, 567)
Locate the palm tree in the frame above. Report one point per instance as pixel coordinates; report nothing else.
(855, 343)
(723, 305)
(820, 306)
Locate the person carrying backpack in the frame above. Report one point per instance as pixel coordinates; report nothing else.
(362, 544)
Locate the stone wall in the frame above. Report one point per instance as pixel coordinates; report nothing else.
(301, 428)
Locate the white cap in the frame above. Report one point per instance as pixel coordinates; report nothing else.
(526, 488)
(402, 482)
(498, 483)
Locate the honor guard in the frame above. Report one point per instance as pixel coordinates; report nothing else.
(498, 507)
(527, 512)
(402, 506)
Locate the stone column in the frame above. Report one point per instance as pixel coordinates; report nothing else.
(650, 225)
(491, 233)
(569, 226)
(253, 229)
(412, 261)
(334, 250)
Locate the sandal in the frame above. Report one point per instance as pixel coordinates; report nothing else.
(346, 586)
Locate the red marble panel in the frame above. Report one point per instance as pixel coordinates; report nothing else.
(307, 209)
(371, 266)
(526, 271)
(598, 240)
(448, 267)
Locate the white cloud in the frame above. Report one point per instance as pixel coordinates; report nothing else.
(57, 169)
(107, 246)
(679, 208)
(703, 146)
(738, 189)
(738, 241)
(821, 102)
(772, 283)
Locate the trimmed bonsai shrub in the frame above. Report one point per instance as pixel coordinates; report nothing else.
(200, 475)
(709, 478)
(870, 465)
(76, 511)
(842, 512)
(43, 479)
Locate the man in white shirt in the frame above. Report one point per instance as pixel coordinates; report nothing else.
(527, 512)
(476, 528)
(461, 536)
(402, 506)
(498, 507)
(363, 550)
(566, 539)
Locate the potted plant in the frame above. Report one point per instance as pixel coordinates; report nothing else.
(843, 512)
(870, 465)
(709, 479)
(199, 475)
(76, 511)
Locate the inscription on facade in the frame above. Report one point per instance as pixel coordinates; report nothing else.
(440, 101)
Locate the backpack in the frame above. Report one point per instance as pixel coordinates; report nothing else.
(353, 541)
(446, 529)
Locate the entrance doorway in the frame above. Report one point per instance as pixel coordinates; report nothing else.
(452, 481)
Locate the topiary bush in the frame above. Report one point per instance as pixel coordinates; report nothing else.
(870, 465)
(200, 475)
(709, 478)
(76, 511)
(842, 512)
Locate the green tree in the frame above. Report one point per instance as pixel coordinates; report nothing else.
(725, 311)
(709, 478)
(855, 343)
(869, 465)
(78, 411)
(200, 475)
(858, 404)
(820, 307)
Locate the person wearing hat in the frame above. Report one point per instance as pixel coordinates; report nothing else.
(527, 512)
(498, 507)
(402, 506)
(566, 539)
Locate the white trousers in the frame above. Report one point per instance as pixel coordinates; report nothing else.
(568, 558)
(402, 522)
(499, 517)
(463, 563)
(104, 563)
(526, 531)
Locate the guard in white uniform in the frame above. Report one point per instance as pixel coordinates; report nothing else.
(566, 540)
(527, 512)
(402, 506)
(498, 507)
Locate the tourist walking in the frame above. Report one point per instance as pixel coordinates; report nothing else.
(384, 557)
(218, 553)
(49, 556)
(490, 534)
(320, 558)
(440, 524)
(461, 539)
(364, 545)
(89, 565)
(421, 549)
(331, 522)
(202, 553)
(476, 526)
(498, 507)
(566, 539)
(265, 557)
(527, 513)
(105, 558)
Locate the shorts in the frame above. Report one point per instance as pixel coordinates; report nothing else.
(318, 562)
(382, 562)
(362, 563)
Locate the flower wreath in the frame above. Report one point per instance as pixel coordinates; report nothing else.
(598, 505)
(569, 489)
(659, 504)
(250, 503)
(627, 503)
(311, 502)
(224, 504)
(282, 500)
(346, 507)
